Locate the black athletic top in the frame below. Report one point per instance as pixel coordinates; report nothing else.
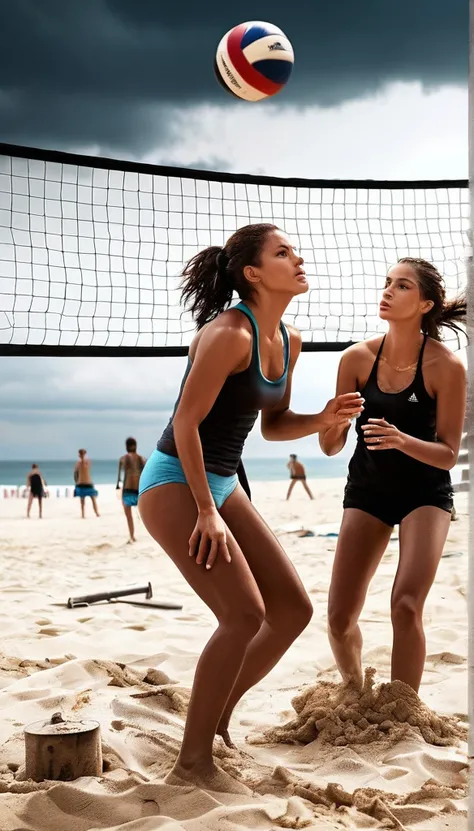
(36, 484)
(224, 430)
(413, 411)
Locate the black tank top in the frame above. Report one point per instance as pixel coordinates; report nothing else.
(413, 411)
(36, 483)
(224, 430)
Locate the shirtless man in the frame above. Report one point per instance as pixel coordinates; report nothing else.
(37, 487)
(83, 480)
(297, 474)
(131, 465)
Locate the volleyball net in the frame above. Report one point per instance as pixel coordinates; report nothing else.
(92, 249)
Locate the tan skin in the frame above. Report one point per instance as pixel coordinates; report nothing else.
(82, 476)
(229, 556)
(296, 468)
(131, 465)
(363, 538)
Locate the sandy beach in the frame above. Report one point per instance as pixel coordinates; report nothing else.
(309, 756)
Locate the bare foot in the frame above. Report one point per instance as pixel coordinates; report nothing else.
(223, 732)
(355, 682)
(209, 778)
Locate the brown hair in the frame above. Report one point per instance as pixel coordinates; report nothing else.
(448, 313)
(211, 276)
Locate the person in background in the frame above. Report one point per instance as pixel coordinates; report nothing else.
(84, 486)
(131, 466)
(37, 489)
(297, 474)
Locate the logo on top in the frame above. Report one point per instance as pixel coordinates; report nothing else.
(276, 47)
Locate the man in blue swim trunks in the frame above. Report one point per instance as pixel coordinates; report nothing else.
(131, 465)
(84, 486)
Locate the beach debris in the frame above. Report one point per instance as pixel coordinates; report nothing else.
(62, 750)
(117, 596)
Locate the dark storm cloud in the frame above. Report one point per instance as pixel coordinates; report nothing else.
(78, 73)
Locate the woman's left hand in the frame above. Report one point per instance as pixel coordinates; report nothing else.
(380, 435)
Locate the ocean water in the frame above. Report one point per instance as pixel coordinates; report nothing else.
(104, 471)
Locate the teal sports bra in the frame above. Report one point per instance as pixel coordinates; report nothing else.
(225, 429)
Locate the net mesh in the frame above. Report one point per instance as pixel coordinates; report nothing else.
(91, 250)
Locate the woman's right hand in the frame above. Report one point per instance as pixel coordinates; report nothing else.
(340, 411)
(209, 538)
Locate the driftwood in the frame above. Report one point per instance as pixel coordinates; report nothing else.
(62, 750)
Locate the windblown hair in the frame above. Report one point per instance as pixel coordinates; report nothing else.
(211, 276)
(448, 313)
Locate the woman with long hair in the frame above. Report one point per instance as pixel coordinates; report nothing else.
(408, 439)
(241, 361)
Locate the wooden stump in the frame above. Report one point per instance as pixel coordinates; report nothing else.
(62, 750)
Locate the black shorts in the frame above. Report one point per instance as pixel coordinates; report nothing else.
(299, 478)
(392, 509)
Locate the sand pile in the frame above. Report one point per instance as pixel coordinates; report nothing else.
(339, 714)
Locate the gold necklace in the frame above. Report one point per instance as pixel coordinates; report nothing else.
(399, 368)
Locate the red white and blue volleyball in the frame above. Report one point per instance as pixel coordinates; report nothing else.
(254, 60)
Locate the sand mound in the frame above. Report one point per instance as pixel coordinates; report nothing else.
(339, 714)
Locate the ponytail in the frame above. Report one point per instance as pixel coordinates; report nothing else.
(444, 313)
(206, 289)
(452, 315)
(211, 276)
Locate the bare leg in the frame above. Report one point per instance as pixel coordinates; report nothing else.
(307, 489)
(292, 485)
(288, 608)
(229, 589)
(361, 544)
(131, 529)
(40, 507)
(422, 537)
(83, 506)
(28, 507)
(94, 505)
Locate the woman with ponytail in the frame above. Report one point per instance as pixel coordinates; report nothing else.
(408, 440)
(241, 362)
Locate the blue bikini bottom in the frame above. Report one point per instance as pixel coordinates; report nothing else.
(162, 469)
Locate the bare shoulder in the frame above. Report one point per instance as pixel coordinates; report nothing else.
(296, 341)
(364, 349)
(230, 331)
(443, 361)
(293, 332)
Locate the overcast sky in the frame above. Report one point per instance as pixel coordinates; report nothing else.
(379, 90)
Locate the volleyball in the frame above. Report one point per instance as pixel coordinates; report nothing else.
(254, 60)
